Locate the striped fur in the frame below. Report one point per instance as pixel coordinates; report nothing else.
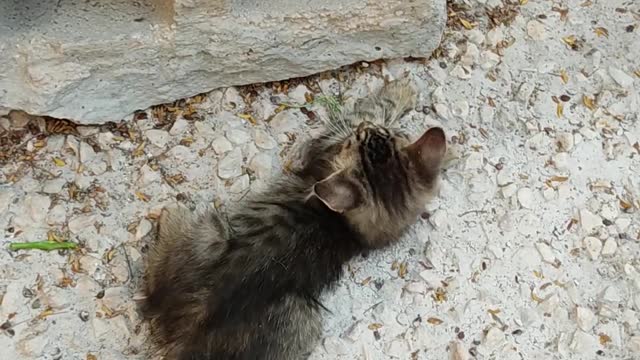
(248, 288)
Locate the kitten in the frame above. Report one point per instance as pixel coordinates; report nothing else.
(248, 288)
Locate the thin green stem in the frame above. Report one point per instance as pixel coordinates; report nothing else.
(42, 245)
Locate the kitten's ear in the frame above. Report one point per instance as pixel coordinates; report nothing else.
(429, 150)
(338, 193)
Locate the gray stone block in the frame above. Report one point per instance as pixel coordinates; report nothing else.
(97, 61)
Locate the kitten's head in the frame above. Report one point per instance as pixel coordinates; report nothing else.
(379, 180)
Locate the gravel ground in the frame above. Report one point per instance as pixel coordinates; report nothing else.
(531, 250)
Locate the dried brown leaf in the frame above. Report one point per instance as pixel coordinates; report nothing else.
(439, 295)
(559, 110)
(564, 76)
(59, 162)
(604, 339)
(600, 31)
(558, 178)
(249, 118)
(467, 24)
(588, 102)
(142, 196)
(625, 205)
(139, 150)
(375, 326)
(434, 321)
(402, 270)
(365, 281)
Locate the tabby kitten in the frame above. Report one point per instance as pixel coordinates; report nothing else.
(248, 288)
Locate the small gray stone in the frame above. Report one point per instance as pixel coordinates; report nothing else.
(589, 221)
(583, 343)
(593, 246)
(80, 223)
(178, 127)
(157, 137)
(286, 120)
(622, 78)
(85, 131)
(144, 227)
(231, 165)
(221, 145)
(264, 140)
(526, 198)
(240, 185)
(609, 248)
(546, 252)
(585, 318)
(57, 215)
(53, 186)
(262, 165)
(238, 136)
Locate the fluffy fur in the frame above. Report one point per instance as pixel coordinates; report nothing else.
(248, 287)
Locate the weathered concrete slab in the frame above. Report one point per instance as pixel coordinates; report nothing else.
(97, 61)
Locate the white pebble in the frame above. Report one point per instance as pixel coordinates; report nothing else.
(610, 247)
(221, 145)
(231, 165)
(178, 127)
(144, 227)
(634, 344)
(261, 165)
(416, 287)
(286, 120)
(611, 295)
(442, 110)
(593, 246)
(263, 140)
(494, 36)
(335, 346)
(148, 176)
(609, 211)
(297, 95)
(536, 30)
(526, 198)
(458, 352)
(459, 72)
(53, 186)
(589, 221)
(460, 109)
(439, 219)
(80, 223)
(57, 215)
(204, 129)
(240, 185)
(546, 252)
(583, 343)
(565, 141)
(238, 136)
(622, 78)
(475, 160)
(493, 339)
(475, 36)
(157, 137)
(397, 348)
(561, 161)
(585, 318)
